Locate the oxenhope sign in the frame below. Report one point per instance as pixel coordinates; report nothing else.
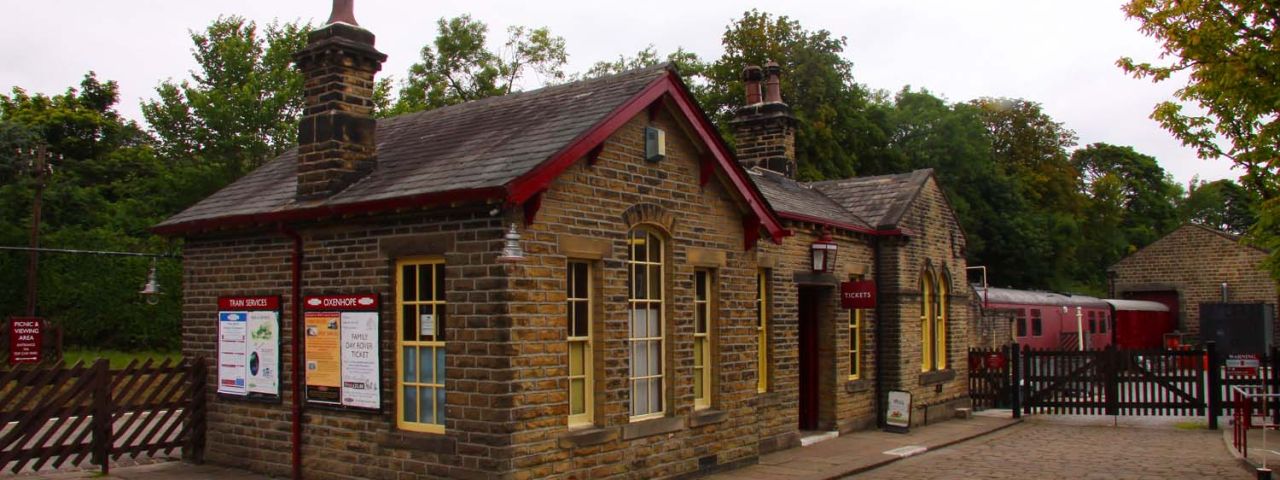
(858, 294)
(26, 337)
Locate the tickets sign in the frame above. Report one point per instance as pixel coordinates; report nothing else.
(858, 294)
(26, 339)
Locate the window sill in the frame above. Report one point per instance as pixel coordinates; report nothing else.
(857, 386)
(648, 428)
(586, 436)
(418, 441)
(707, 417)
(937, 376)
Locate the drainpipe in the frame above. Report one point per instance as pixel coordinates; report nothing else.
(880, 320)
(295, 299)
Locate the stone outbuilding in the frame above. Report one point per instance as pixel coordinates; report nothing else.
(580, 281)
(1194, 264)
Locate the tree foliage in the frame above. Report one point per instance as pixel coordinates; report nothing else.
(240, 107)
(107, 189)
(459, 66)
(1222, 204)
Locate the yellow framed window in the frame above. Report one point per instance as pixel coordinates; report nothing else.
(855, 344)
(702, 326)
(926, 321)
(420, 345)
(762, 331)
(645, 322)
(941, 309)
(578, 294)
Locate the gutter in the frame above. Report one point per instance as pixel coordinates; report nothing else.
(295, 300)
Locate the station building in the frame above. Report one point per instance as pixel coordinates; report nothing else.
(580, 281)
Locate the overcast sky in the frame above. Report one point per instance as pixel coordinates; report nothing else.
(1059, 53)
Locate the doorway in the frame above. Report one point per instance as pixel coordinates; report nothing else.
(809, 298)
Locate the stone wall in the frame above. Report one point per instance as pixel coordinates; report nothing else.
(1194, 261)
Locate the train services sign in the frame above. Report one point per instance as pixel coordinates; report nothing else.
(26, 338)
(858, 294)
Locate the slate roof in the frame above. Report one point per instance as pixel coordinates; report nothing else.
(789, 196)
(475, 145)
(881, 200)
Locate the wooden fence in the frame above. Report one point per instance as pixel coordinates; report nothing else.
(54, 415)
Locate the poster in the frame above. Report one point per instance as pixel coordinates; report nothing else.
(324, 374)
(360, 384)
(898, 415)
(249, 346)
(232, 356)
(341, 348)
(26, 339)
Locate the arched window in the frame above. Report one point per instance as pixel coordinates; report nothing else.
(645, 321)
(941, 313)
(927, 297)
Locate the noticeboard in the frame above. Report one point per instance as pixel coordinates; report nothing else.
(26, 339)
(249, 347)
(341, 348)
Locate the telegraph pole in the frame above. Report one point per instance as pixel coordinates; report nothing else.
(40, 171)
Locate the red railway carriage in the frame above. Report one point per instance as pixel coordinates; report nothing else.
(1053, 320)
(1141, 324)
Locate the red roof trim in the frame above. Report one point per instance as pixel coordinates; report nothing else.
(800, 217)
(323, 211)
(537, 179)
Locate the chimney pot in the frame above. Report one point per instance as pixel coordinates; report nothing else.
(772, 84)
(343, 12)
(751, 77)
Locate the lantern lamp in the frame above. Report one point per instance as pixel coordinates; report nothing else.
(824, 254)
(511, 251)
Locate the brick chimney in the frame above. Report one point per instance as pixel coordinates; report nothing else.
(764, 128)
(336, 144)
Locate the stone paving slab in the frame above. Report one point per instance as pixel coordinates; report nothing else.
(860, 451)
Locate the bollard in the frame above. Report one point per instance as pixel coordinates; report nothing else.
(1264, 474)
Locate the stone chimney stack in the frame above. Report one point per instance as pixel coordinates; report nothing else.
(764, 128)
(336, 144)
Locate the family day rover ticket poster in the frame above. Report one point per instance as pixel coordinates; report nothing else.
(341, 345)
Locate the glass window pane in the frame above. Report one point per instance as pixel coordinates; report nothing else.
(440, 406)
(577, 396)
(440, 365)
(655, 282)
(410, 407)
(700, 286)
(440, 283)
(641, 398)
(638, 251)
(410, 364)
(582, 320)
(639, 283)
(426, 368)
(700, 318)
(441, 310)
(655, 248)
(697, 383)
(698, 345)
(576, 357)
(409, 323)
(425, 312)
(427, 406)
(580, 280)
(425, 282)
(655, 357)
(655, 395)
(654, 320)
(638, 315)
(639, 360)
(409, 279)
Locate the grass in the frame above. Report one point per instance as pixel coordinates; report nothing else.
(118, 359)
(1192, 425)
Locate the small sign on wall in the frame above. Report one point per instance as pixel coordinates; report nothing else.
(858, 294)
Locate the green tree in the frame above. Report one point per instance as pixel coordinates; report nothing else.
(690, 66)
(240, 107)
(835, 128)
(461, 67)
(1227, 52)
(108, 188)
(1222, 204)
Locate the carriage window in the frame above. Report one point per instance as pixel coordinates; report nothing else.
(1093, 322)
(1021, 324)
(1102, 323)
(1036, 327)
